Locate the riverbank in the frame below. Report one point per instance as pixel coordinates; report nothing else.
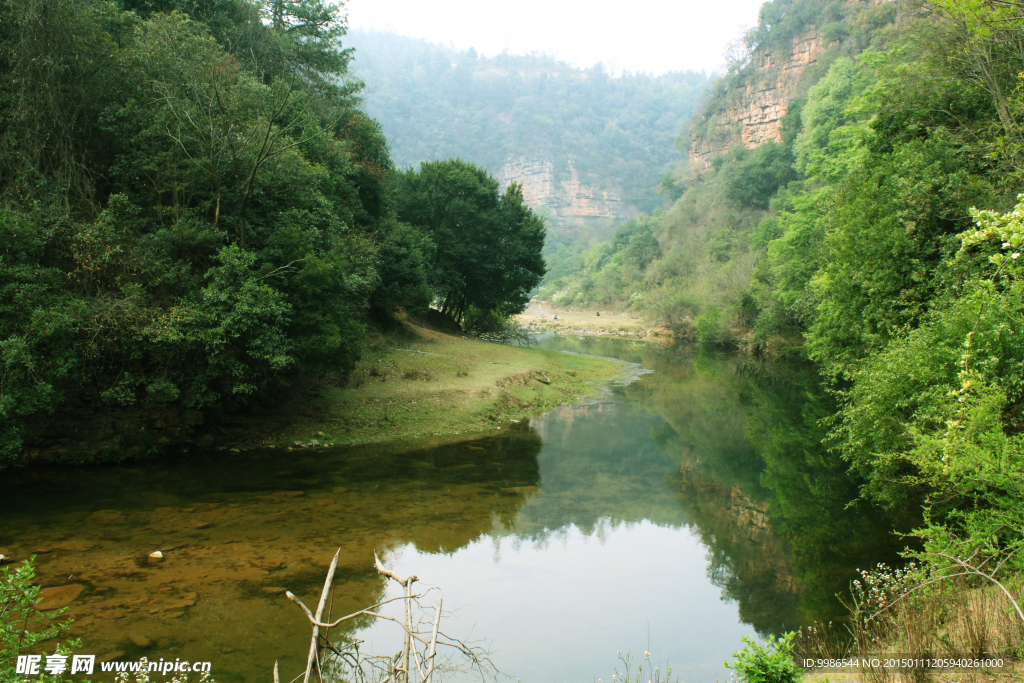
(542, 316)
(420, 382)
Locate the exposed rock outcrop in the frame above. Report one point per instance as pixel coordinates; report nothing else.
(753, 115)
(573, 201)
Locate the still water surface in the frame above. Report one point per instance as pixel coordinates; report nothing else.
(675, 514)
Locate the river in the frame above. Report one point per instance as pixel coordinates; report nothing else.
(673, 515)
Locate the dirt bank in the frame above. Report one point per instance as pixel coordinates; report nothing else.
(543, 317)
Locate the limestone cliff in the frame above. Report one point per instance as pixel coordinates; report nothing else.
(572, 201)
(752, 115)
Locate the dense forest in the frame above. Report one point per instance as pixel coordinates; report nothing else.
(436, 102)
(879, 239)
(196, 211)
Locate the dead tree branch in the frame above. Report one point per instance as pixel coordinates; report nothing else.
(415, 662)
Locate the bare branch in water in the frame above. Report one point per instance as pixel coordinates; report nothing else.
(319, 613)
(418, 659)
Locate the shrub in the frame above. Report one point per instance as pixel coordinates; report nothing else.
(492, 326)
(768, 663)
(418, 373)
(708, 327)
(21, 625)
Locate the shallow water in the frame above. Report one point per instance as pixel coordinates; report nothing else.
(664, 516)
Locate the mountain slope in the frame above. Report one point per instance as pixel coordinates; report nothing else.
(588, 147)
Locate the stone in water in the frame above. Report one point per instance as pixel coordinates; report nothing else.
(59, 596)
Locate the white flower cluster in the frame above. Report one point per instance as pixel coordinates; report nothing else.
(879, 587)
(1008, 228)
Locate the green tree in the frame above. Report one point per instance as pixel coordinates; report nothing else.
(888, 233)
(50, 99)
(197, 212)
(829, 141)
(934, 417)
(792, 240)
(488, 245)
(642, 249)
(758, 174)
(979, 44)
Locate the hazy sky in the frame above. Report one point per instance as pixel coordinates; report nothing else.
(635, 35)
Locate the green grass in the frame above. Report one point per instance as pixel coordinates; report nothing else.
(428, 383)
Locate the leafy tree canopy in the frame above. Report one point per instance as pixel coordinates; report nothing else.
(194, 207)
(488, 244)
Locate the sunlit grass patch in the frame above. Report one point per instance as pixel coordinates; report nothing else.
(435, 384)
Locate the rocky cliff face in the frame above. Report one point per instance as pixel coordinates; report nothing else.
(753, 115)
(574, 204)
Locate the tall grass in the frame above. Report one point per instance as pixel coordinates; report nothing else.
(918, 613)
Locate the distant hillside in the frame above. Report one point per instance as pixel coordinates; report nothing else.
(589, 148)
(743, 144)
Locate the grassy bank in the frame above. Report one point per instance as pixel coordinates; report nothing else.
(898, 618)
(422, 382)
